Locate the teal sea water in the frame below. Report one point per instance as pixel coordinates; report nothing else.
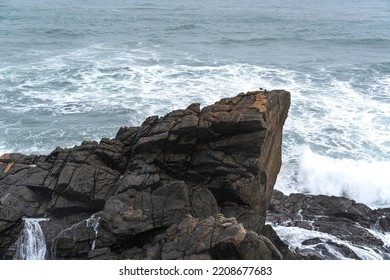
(78, 70)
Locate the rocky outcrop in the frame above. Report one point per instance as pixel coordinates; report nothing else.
(194, 184)
(328, 227)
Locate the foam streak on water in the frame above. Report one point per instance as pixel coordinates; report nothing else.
(115, 89)
(31, 244)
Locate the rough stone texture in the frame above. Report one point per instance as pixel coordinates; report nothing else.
(348, 222)
(215, 238)
(157, 191)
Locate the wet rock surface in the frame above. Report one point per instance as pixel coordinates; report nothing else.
(329, 227)
(194, 184)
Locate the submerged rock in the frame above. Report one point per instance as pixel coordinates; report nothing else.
(194, 184)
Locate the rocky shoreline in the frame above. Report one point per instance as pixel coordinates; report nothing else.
(330, 227)
(194, 184)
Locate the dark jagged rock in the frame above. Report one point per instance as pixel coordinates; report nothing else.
(344, 228)
(158, 191)
(215, 238)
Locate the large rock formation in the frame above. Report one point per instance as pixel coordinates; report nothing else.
(194, 184)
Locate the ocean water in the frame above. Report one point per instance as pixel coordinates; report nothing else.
(78, 70)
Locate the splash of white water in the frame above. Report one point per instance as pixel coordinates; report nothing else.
(295, 237)
(31, 244)
(92, 222)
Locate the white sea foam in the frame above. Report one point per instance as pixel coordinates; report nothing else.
(363, 181)
(338, 119)
(137, 80)
(346, 128)
(89, 93)
(294, 236)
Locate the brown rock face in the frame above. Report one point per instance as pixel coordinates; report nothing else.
(154, 185)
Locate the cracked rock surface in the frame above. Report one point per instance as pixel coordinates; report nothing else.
(193, 184)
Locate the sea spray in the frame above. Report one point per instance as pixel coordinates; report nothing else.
(365, 181)
(31, 244)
